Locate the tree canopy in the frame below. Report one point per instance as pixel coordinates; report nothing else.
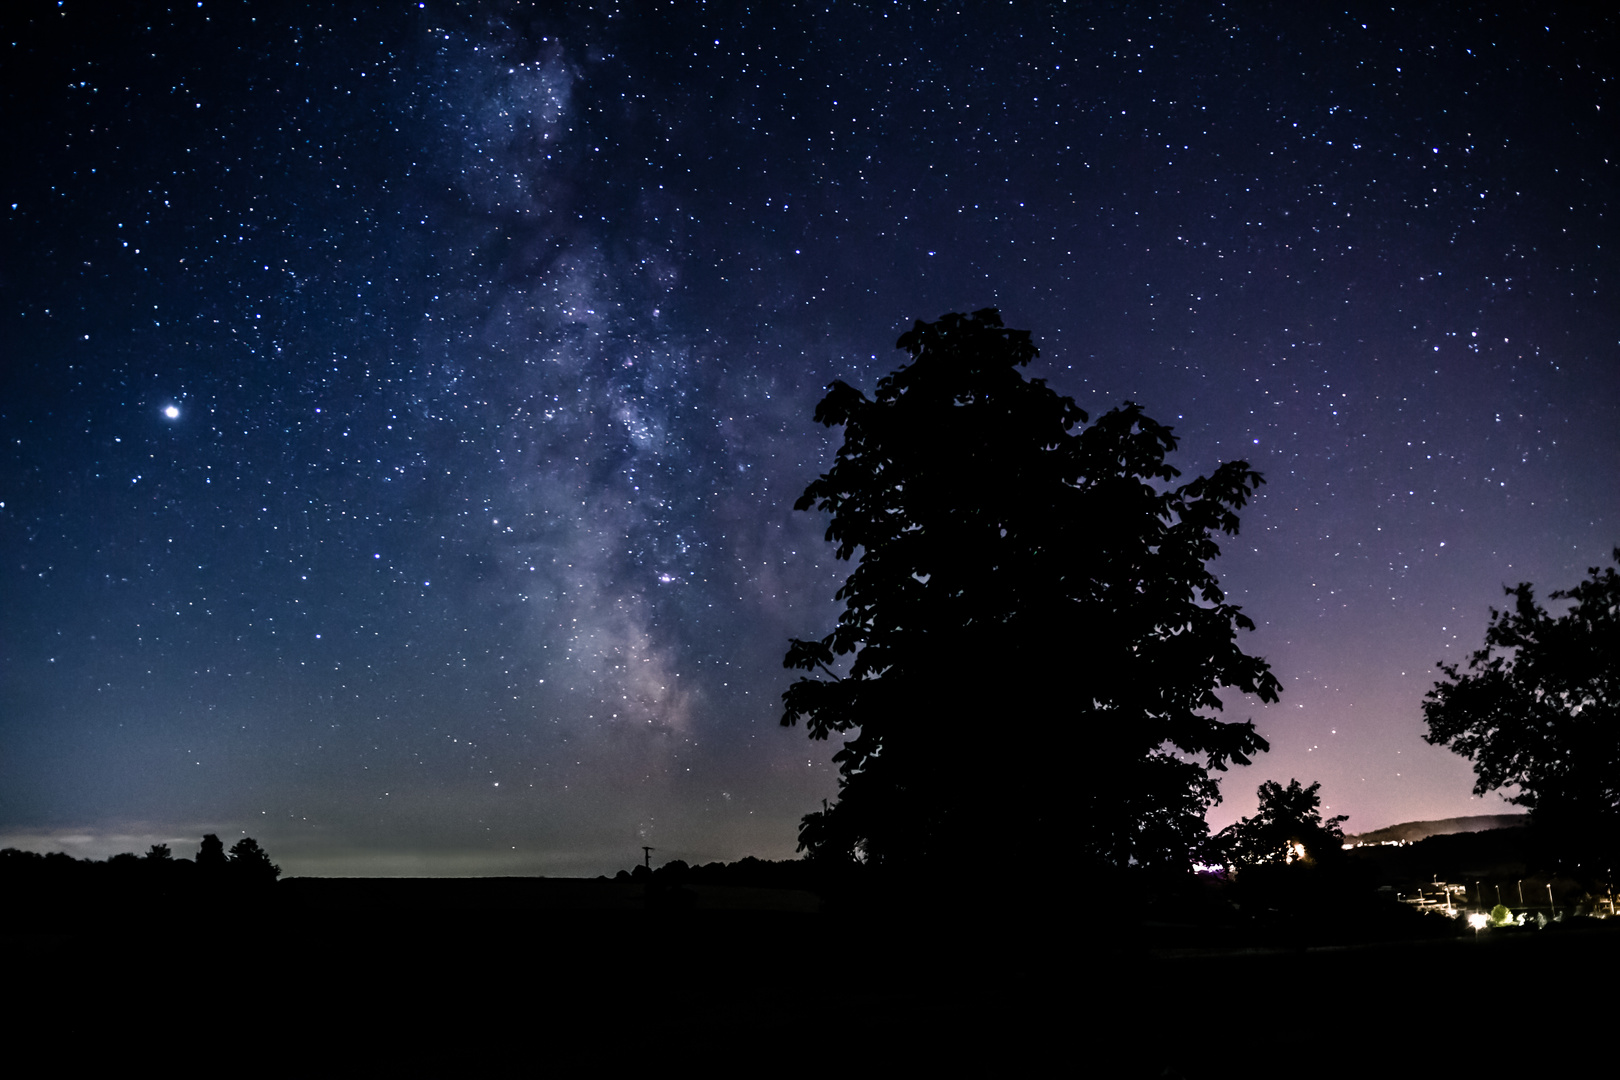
(250, 862)
(211, 854)
(1287, 829)
(1031, 639)
(245, 870)
(1538, 710)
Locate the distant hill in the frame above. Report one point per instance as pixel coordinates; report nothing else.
(1413, 831)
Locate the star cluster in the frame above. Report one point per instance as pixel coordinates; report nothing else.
(404, 406)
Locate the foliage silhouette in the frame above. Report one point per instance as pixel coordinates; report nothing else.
(250, 863)
(61, 885)
(1539, 709)
(1288, 829)
(211, 855)
(1033, 637)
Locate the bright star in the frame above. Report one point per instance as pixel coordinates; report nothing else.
(172, 411)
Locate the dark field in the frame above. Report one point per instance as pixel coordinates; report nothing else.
(535, 974)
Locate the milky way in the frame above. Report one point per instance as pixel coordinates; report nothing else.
(404, 410)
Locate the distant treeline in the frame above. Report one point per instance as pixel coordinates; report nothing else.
(1414, 831)
(246, 865)
(1489, 855)
(747, 872)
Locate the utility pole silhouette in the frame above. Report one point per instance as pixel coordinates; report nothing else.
(646, 856)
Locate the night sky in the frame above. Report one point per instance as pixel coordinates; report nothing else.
(403, 405)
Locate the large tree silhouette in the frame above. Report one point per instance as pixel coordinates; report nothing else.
(1538, 710)
(1031, 639)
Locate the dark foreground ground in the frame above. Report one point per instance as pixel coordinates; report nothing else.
(435, 976)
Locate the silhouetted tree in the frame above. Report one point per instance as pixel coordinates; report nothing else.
(673, 873)
(211, 856)
(159, 853)
(1539, 709)
(1288, 829)
(1033, 638)
(249, 862)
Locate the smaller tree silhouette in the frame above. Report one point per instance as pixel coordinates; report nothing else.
(1288, 829)
(211, 856)
(1537, 711)
(251, 863)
